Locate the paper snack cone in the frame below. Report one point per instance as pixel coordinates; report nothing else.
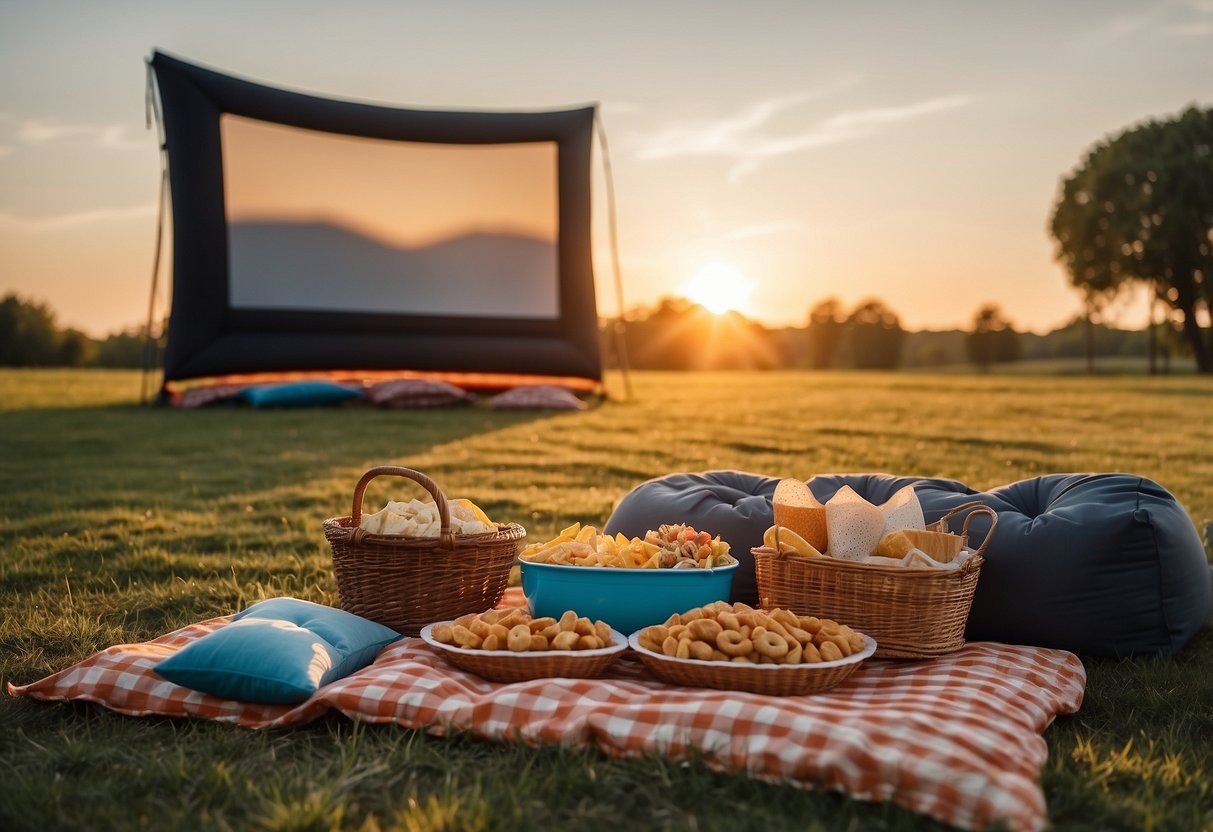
(903, 511)
(855, 525)
(797, 509)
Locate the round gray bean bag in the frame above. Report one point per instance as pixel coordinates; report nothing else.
(1102, 564)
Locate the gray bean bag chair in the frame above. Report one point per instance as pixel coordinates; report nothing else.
(1101, 564)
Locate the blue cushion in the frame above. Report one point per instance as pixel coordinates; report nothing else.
(298, 394)
(1102, 564)
(277, 651)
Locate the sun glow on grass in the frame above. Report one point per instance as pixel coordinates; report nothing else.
(719, 288)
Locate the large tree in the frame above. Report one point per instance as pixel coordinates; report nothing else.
(993, 339)
(28, 335)
(874, 336)
(826, 320)
(1139, 211)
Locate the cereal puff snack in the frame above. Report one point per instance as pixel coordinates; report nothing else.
(517, 631)
(725, 632)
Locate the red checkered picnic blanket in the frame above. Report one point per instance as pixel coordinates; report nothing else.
(957, 738)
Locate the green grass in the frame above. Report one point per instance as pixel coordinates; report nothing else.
(118, 523)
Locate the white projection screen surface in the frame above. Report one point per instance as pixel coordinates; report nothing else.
(325, 221)
(315, 235)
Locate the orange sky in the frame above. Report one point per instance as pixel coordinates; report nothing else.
(907, 151)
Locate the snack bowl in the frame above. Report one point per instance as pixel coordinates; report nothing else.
(768, 679)
(626, 599)
(508, 666)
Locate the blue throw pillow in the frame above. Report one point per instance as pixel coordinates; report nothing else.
(278, 651)
(298, 394)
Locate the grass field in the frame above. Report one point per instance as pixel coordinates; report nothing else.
(120, 523)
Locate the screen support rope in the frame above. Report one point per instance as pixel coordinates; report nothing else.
(621, 349)
(152, 114)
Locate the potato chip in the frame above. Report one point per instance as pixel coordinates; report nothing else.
(579, 545)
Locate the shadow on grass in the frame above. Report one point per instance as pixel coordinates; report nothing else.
(111, 496)
(181, 458)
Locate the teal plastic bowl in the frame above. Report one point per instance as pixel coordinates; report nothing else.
(626, 599)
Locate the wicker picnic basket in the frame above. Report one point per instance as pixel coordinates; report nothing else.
(505, 666)
(408, 582)
(912, 612)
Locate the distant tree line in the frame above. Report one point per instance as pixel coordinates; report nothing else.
(677, 334)
(29, 337)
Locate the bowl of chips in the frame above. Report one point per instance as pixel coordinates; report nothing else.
(629, 583)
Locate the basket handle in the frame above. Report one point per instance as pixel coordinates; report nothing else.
(446, 537)
(973, 508)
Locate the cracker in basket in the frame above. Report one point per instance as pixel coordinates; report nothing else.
(421, 519)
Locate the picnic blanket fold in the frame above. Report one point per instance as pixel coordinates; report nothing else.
(957, 738)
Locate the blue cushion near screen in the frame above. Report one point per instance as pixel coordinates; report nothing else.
(1103, 564)
(278, 651)
(298, 394)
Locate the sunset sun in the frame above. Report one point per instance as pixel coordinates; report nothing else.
(719, 288)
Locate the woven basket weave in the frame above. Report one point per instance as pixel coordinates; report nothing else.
(767, 679)
(912, 612)
(408, 582)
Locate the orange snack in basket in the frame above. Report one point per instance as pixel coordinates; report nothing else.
(736, 632)
(565, 640)
(893, 545)
(516, 631)
(519, 639)
(784, 540)
(797, 509)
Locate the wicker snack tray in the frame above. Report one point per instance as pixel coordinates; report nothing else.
(508, 666)
(769, 679)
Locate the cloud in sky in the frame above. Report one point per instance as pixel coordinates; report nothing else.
(879, 116)
(723, 137)
(1167, 17)
(78, 219)
(747, 139)
(108, 136)
(622, 107)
